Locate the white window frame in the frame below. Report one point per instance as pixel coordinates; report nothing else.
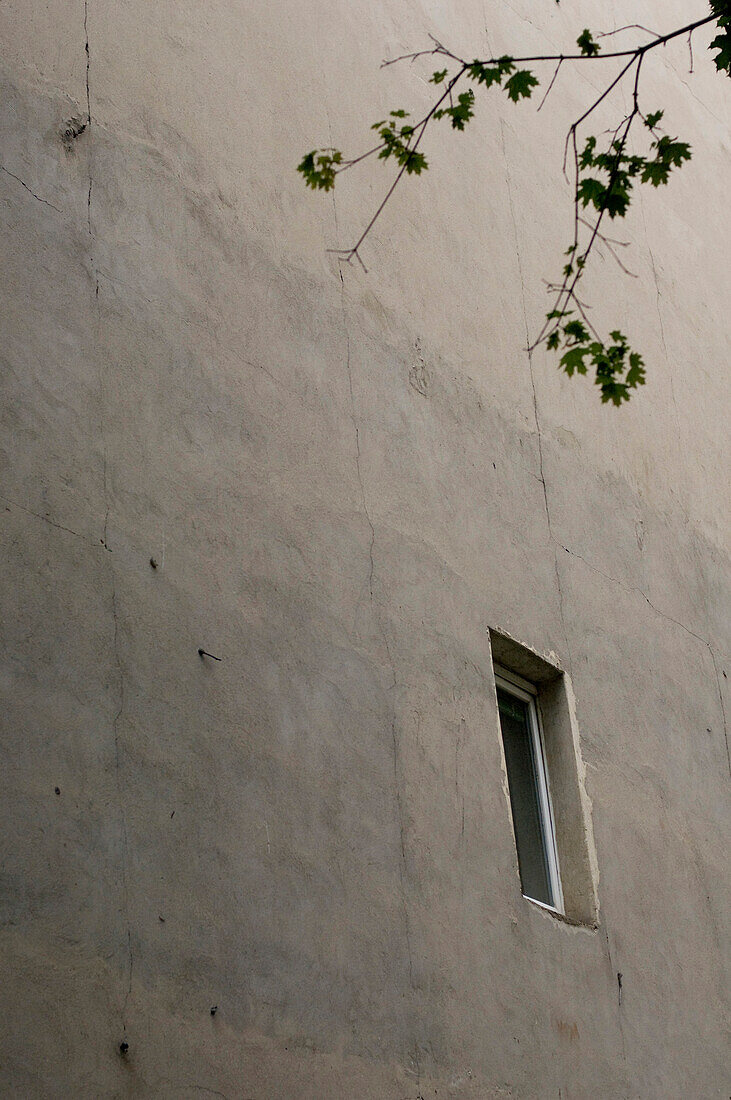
(515, 685)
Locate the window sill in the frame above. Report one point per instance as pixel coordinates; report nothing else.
(561, 917)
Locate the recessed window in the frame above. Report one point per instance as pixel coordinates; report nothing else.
(530, 799)
(548, 802)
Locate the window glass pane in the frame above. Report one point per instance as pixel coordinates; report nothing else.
(522, 782)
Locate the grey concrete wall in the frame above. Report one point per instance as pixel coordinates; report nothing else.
(345, 480)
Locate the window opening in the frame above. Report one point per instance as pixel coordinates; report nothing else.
(530, 800)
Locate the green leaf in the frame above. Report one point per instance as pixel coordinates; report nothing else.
(672, 151)
(318, 169)
(722, 43)
(586, 43)
(461, 111)
(520, 85)
(616, 392)
(655, 173)
(609, 362)
(591, 190)
(586, 159)
(616, 200)
(415, 163)
(485, 74)
(438, 77)
(669, 153)
(573, 360)
(636, 373)
(721, 9)
(576, 330)
(652, 119)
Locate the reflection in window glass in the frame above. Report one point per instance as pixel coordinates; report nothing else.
(525, 802)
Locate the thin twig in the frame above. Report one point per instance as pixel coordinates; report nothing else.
(661, 40)
(566, 291)
(610, 240)
(437, 48)
(416, 136)
(553, 81)
(609, 243)
(629, 27)
(574, 126)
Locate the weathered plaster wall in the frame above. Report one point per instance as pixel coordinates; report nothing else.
(344, 479)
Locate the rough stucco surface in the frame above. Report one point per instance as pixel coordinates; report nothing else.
(345, 479)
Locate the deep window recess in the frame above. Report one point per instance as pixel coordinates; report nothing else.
(530, 799)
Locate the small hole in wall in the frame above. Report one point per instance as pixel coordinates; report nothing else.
(71, 130)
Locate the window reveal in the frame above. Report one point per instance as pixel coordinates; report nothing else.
(529, 793)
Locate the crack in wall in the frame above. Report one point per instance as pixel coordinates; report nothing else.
(91, 149)
(211, 1092)
(616, 979)
(723, 705)
(48, 520)
(542, 479)
(402, 862)
(29, 189)
(669, 618)
(634, 588)
(105, 543)
(196, 1088)
(541, 472)
(556, 544)
(119, 771)
(88, 58)
(120, 799)
(366, 512)
(359, 472)
(389, 656)
(386, 644)
(658, 296)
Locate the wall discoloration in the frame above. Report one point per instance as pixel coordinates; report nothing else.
(344, 480)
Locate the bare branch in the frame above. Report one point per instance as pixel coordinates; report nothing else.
(437, 49)
(629, 27)
(553, 81)
(567, 291)
(416, 136)
(609, 243)
(610, 196)
(609, 240)
(660, 40)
